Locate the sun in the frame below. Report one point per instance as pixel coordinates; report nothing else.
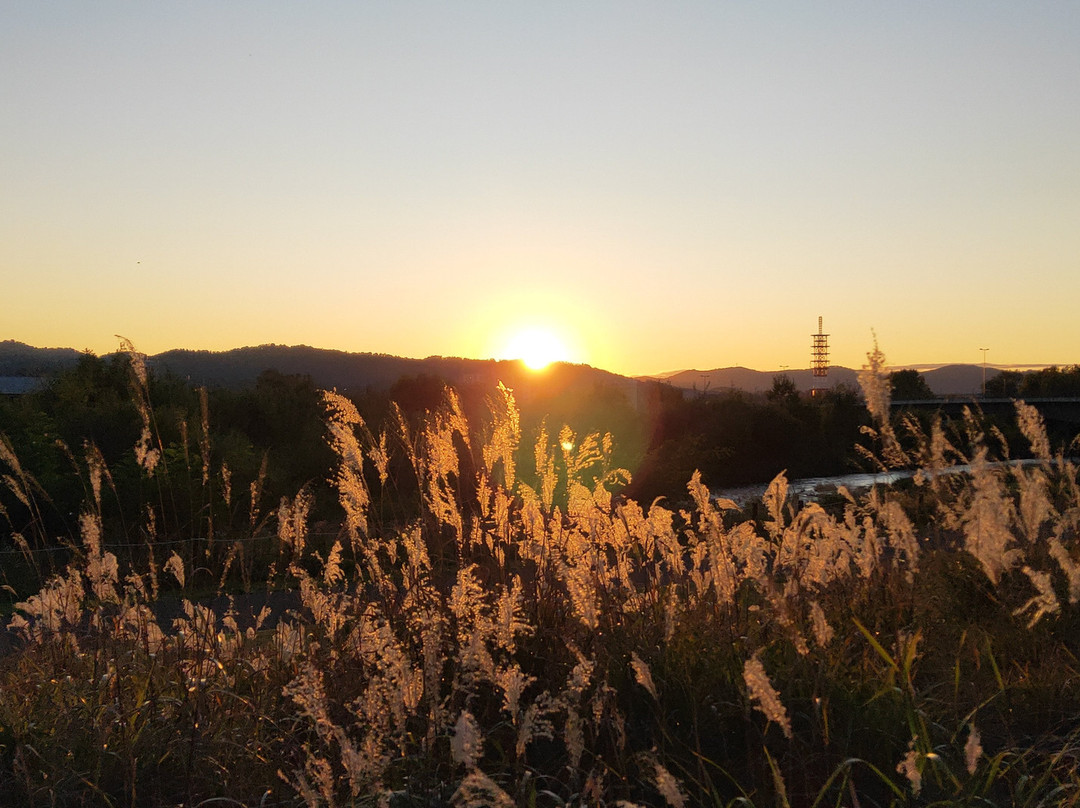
(536, 347)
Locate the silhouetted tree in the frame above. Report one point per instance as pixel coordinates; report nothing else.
(1005, 384)
(909, 385)
(783, 391)
(1051, 382)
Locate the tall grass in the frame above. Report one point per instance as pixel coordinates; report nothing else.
(527, 636)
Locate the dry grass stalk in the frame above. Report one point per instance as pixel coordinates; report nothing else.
(406, 661)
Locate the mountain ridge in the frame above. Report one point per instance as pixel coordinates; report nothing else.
(328, 368)
(345, 370)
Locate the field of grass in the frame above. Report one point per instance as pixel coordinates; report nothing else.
(493, 624)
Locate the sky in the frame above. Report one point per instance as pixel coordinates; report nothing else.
(659, 186)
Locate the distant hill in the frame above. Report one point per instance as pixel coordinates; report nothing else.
(955, 380)
(943, 380)
(19, 359)
(357, 372)
(360, 371)
(240, 367)
(758, 381)
(23, 367)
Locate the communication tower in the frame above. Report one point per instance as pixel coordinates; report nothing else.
(819, 352)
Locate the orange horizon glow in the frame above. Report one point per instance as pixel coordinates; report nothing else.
(537, 347)
(210, 182)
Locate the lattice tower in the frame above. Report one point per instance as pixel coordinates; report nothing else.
(819, 352)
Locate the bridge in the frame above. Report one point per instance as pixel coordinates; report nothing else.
(1056, 410)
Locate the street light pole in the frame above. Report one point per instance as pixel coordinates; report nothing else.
(984, 350)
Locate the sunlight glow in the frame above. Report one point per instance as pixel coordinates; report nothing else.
(537, 348)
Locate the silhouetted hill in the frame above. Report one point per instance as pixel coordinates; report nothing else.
(758, 381)
(957, 380)
(19, 359)
(240, 367)
(362, 371)
(330, 369)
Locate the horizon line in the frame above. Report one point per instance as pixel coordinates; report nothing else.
(922, 367)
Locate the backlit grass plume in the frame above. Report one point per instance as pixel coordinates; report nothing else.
(518, 632)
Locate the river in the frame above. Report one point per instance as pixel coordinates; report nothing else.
(811, 489)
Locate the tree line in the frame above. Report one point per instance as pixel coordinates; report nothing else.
(263, 443)
(1051, 382)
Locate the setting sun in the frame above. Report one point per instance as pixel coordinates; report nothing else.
(537, 348)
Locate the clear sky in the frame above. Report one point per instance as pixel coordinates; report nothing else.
(663, 185)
